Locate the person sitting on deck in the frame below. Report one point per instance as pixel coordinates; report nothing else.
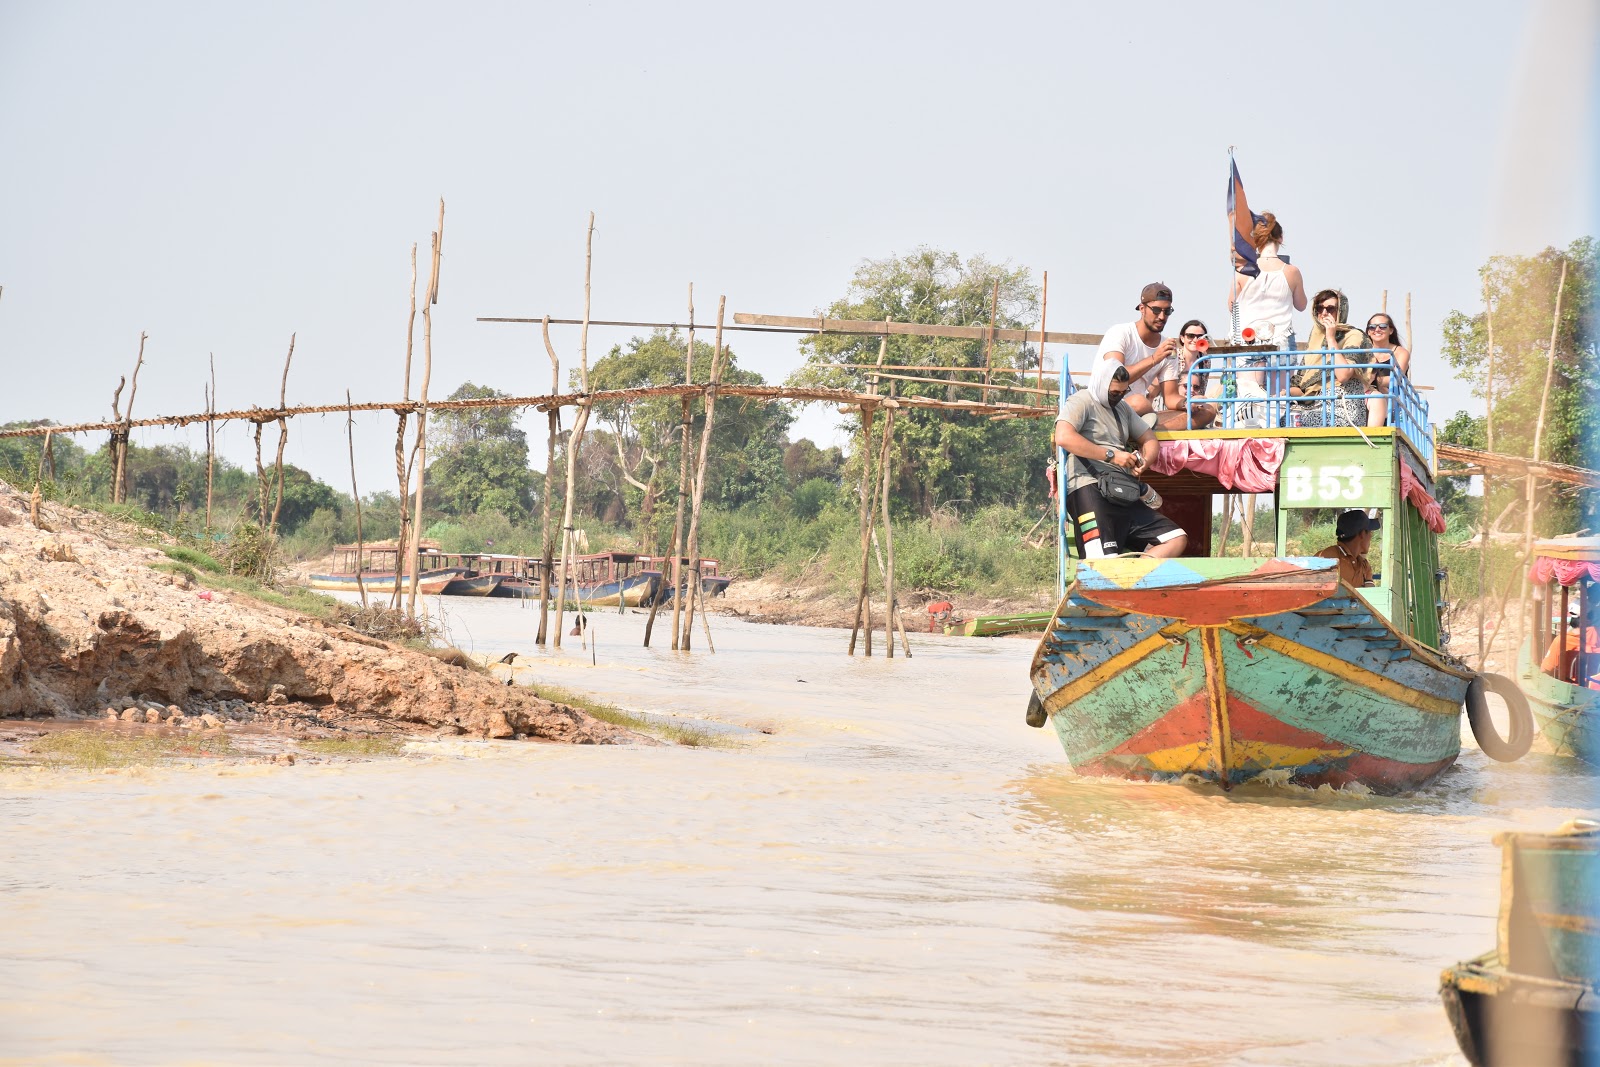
(1383, 335)
(1152, 362)
(1562, 661)
(1353, 535)
(1194, 339)
(1347, 384)
(1100, 432)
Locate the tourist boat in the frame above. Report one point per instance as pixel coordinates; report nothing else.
(603, 579)
(1216, 668)
(712, 583)
(1534, 1000)
(375, 567)
(1565, 699)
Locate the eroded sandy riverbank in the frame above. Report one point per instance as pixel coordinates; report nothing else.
(89, 630)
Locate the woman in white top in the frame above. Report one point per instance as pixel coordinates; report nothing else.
(1266, 303)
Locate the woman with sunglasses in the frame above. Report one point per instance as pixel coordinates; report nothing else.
(1266, 302)
(1334, 375)
(1383, 335)
(1193, 341)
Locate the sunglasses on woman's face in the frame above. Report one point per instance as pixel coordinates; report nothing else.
(1194, 336)
(1384, 326)
(1328, 309)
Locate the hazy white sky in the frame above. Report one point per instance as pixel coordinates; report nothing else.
(222, 175)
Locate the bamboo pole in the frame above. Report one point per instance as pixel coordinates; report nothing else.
(576, 440)
(546, 542)
(1044, 313)
(211, 440)
(119, 437)
(402, 472)
(37, 496)
(884, 454)
(283, 435)
(420, 451)
(1532, 482)
(693, 537)
(675, 572)
(1385, 305)
(355, 494)
(863, 619)
(1488, 429)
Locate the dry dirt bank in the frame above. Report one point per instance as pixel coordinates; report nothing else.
(803, 603)
(89, 630)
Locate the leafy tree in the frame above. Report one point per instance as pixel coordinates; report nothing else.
(941, 457)
(642, 437)
(1521, 290)
(479, 459)
(804, 461)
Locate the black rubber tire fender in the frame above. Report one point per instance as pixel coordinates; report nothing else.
(1500, 749)
(1037, 716)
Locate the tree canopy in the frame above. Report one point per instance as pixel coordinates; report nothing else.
(479, 459)
(940, 457)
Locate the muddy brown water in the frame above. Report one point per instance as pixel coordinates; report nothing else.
(901, 872)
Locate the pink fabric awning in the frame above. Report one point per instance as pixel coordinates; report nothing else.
(1421, 499)
(1242, 464)
(1565, 571)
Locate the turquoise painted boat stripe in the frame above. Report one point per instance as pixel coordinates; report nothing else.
(1080, 652)
(1565, 882)
(1305, 697)
(1411, 673)
(1128, 702)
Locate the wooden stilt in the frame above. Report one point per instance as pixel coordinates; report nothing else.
(1538, 440)
(546, 541)
(402, 472)
(283, 436)
(576, 440)
(988, 340)
(693, 593)
(211, 440)
(1488, 432)
(1044, 312)
(420, 451)
(119, 486)
(355, 494)
(673, 572)
(884, 455)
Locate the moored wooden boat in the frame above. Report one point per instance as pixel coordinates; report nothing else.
(1534, 1001)
(472, 585)
(997, 625)
(376, 567)
(1559, 668)
(712, 583)
(1233, 668)
(603, 579)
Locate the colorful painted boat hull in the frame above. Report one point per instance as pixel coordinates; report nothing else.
(1226, 670)
(1565, 713)
(710, 585)
(429, 583)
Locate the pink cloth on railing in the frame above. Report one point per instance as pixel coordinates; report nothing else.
(1432, 514)
(1243, 464)
(1565, 571)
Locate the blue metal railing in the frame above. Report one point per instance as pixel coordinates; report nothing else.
(1269, 405)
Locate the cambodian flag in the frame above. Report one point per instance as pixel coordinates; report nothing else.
(1242, 220)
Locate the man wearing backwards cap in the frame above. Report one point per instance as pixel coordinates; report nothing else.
(1095, 426)
(1152, 363)
(1354, 534)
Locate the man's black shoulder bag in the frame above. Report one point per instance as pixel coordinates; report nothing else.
(1115, 484)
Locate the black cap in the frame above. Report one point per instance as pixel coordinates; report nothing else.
(1353, 522)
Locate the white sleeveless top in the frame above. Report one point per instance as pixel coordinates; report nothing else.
(1266, 300)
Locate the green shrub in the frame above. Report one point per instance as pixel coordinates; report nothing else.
(193, 557)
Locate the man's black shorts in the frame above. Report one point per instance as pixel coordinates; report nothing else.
(1106, 529)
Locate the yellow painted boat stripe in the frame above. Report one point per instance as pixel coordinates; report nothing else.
(1351, 672)
(1115, 665)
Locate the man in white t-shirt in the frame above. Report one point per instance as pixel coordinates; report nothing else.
(1153, 363)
